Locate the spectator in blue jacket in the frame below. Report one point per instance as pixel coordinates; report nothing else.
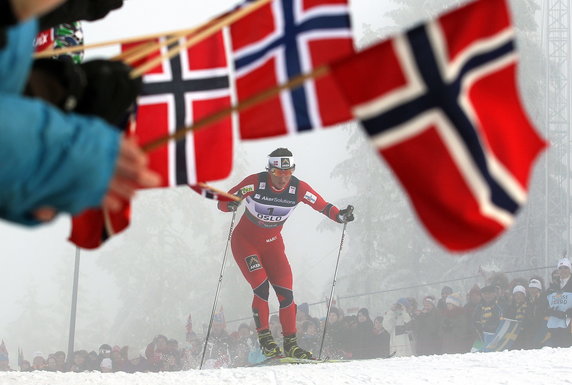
(560, 308)
(56, 162)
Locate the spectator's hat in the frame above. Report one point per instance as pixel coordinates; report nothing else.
(106, 363)
(454, 299)
(564, 262)
(404, 302)
(535, 283)
(430, 299)
(519, 289)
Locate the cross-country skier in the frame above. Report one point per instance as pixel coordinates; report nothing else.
(258, 247)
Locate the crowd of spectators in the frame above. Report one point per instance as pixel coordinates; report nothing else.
(452, 323)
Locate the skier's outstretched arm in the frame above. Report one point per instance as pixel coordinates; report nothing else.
(310, 197)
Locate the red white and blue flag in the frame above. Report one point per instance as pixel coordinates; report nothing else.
(91, 228)
(441, 104)
(177, 93)
(279, 41)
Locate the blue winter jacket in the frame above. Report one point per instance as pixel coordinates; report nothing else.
(47, 157)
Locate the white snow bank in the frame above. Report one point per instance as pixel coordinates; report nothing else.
(535, 367)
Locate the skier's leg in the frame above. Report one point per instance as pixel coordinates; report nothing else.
(280, 276)
(248, 260)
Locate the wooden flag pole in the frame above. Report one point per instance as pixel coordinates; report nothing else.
(132, 55)
(217, 26)
(55, 52)
(220, 192)
(250, 102)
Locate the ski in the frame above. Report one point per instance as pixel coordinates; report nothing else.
(282, 360)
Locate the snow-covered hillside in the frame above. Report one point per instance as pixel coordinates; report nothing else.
(534, 367)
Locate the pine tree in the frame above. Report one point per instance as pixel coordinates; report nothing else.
(37, 327)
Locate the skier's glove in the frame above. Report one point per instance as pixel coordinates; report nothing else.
(109, 91)
(346, 215)
(232, 205)
(76, 10)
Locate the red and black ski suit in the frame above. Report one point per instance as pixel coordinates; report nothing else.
(257, 243)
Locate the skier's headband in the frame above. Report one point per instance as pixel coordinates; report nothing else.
(281, 162)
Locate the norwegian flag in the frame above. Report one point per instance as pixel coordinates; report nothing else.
(191, 86)
(440, 102)
(175, 94)
(211, 193)
(93, 227)
(279, 41)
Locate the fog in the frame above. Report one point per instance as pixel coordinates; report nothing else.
(147, 280)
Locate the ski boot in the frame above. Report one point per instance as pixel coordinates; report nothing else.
(268, 346)
(291, 348)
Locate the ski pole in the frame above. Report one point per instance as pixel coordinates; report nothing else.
(349, 209)
(217, 289)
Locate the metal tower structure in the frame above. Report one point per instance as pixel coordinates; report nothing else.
(557, 178)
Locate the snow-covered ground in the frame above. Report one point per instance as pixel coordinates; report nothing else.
(535, 367)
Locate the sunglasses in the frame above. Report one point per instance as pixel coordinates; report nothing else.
(280, 172)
